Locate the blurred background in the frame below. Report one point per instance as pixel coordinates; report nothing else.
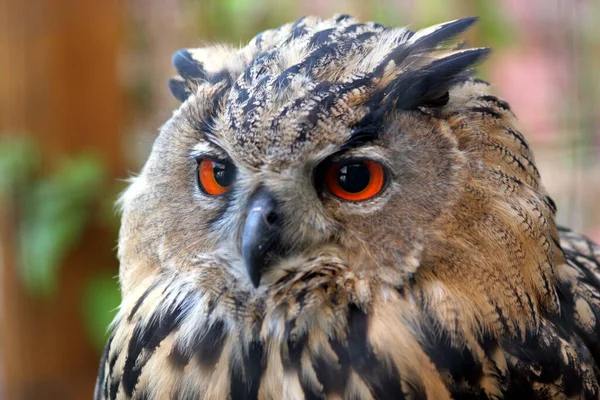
(83, 93)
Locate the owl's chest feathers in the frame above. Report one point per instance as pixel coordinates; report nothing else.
(323, 331)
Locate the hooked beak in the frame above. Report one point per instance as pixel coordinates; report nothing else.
(261, 232)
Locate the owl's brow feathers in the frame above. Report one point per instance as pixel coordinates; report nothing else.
(354, 73)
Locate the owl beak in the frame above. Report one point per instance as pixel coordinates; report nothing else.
(261, 232)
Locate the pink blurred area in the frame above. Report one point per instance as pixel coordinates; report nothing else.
(548, 76)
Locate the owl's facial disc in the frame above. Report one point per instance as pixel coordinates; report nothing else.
(261, 232)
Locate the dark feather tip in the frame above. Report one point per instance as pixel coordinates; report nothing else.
(186, 66)
(178, 89)
(457, 62)
(428, 86)
(445, 32)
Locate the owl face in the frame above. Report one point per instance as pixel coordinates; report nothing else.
(341, 210)
(323, 137)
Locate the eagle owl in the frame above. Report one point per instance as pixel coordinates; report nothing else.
(340, 210)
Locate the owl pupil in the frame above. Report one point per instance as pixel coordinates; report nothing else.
(354, 178)
(224, 174)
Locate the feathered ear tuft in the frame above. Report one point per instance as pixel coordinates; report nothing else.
(189, 70)
(179, 88)
(434, 35)
(421, 71)
(186, 66)
(428, 86)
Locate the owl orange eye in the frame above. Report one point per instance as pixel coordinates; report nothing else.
(215, 177)
(355, 180)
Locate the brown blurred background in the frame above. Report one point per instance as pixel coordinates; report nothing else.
(83, 93)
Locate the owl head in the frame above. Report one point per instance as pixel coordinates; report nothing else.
(336, 142)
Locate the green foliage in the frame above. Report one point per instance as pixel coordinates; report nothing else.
(494, 27)
(18, 159)
(101, 299)
(237, 21)
(430, 12)
(56, 210)
(51, 211)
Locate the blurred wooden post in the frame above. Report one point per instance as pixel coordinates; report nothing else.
(59, 84)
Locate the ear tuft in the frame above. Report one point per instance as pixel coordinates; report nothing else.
(429, 37)
(437, 102)
(190, 71)
(428, 85)
(186, 66)
(179, 89)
